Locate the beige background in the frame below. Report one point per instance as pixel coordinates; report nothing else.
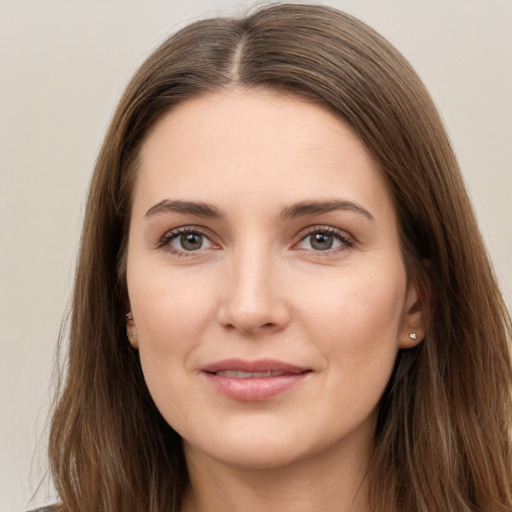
(63, 65)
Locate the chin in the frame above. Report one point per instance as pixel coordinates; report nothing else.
(262, 454)
(276, 446)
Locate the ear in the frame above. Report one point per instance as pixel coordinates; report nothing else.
(414, 319)
(131, 330)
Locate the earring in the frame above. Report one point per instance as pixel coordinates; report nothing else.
(412, 335)
(130, 333)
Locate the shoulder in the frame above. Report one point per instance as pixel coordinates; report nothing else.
(44, 509)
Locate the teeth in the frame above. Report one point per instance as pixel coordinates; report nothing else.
(248, 375)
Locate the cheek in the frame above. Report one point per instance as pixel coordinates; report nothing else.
(170, 311)
(171, 317)
(357, 318)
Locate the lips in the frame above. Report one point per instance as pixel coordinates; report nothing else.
(236, 374)
(260, 366)
(253, 380)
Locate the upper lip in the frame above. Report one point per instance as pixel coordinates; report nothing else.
(259, 365)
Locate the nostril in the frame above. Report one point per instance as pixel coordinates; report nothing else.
(265, 326)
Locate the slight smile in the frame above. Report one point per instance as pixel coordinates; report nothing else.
(253, 380)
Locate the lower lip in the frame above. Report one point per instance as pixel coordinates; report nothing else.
(254, 390)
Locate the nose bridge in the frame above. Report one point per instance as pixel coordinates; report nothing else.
(252, 299)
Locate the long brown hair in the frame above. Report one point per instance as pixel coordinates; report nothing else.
(443, 432)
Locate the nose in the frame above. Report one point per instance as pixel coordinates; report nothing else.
(253, 296)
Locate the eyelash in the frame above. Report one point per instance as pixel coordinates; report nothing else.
(165, 241)
(346, 240)
(342, 236)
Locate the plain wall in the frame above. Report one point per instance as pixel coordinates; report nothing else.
(63, 66)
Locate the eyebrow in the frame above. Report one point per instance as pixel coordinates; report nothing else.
(305, 208)
(199, 209)
(301, 209)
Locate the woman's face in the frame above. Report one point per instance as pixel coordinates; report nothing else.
(265, 277)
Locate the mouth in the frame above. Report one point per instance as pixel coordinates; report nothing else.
(253, 380)
(237, 374)
(259, 369)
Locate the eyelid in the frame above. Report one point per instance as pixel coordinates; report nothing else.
(347, 240)
(164, 241)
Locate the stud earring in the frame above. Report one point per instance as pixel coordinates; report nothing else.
(130, 334)
(412, 335)
(129, 315)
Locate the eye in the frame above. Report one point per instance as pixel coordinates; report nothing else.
(325, 239)
(186, 240)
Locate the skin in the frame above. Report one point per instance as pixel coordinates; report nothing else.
(260, 285)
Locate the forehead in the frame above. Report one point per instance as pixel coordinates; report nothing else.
(253, 144)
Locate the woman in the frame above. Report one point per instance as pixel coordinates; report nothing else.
(282, 299)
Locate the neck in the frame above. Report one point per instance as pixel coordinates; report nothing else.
(334, 481)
